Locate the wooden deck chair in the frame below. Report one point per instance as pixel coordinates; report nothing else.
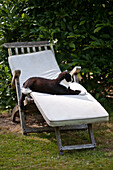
(60, 112)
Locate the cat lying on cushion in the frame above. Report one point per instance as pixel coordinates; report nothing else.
(43, 85)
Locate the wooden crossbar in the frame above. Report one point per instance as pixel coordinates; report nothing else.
(62, 148)
(13, 48)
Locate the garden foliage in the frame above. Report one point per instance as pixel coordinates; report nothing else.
(83, 30)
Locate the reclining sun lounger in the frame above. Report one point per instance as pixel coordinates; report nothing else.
(59, 111)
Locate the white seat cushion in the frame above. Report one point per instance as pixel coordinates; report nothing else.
(61, 110)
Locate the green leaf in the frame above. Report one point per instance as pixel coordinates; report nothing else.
(103, 5)
(72, 45)
(23, 14)
(82, 22)
(6, 69)
(97, 29)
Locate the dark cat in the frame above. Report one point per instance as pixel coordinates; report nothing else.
(43, 85)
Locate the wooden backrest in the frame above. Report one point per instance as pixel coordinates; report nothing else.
(16, 48)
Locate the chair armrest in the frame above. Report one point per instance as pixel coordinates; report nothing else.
(75, 70)
(16, 75)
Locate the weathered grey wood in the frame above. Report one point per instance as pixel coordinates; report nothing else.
(77, 147)
(22, 50)
(16, 74)
(75, 70)
(16, 50)
(9, 51)
(15, 111)
(39, 48)
(76, 79)
(34, 49)
(28, 45)
(45, 47)
(28, 49)
(74, 73)
(39, 129)
(59, 142)
(51, 129)
(73, 127)
(21, 113)
(52, 49)
(91, 135)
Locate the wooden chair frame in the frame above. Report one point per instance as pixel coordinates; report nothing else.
(28, 47)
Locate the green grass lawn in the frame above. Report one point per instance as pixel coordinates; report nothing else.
(39, 151)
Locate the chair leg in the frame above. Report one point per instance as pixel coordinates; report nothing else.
(59, 142)
(22, 122)
(91, 135)
(21, 113)
(15, 112)
(75, 147)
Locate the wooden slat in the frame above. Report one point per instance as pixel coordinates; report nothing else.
(16, 51)
(45, 47)
(39, 129)
(72, 147)
(22, 50)
(51, 129)
(75, 70)
(74, 127)
(51, 46)
(34, 49)
(39, 48)
(9, 51)
(28, 49)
